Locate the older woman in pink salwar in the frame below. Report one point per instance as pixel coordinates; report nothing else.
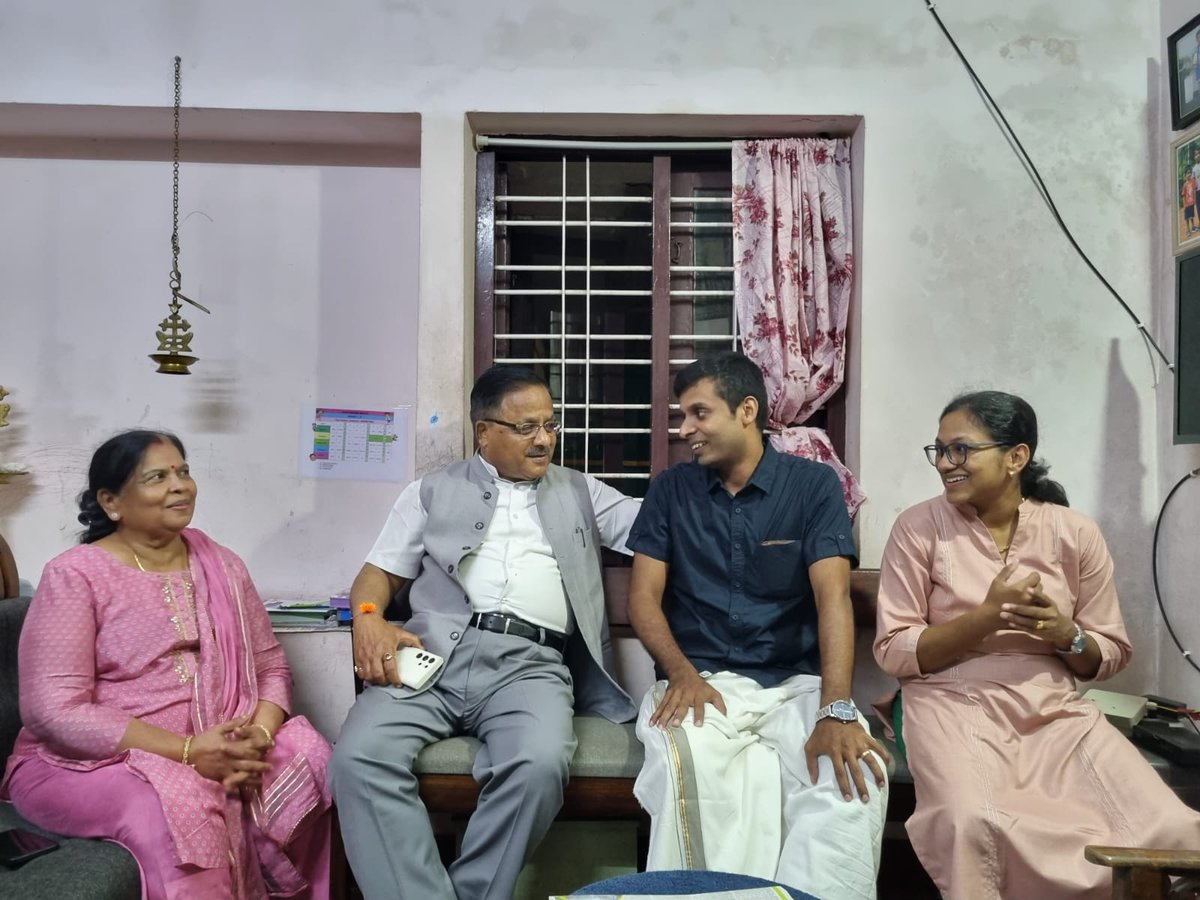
(994, 597)
(155, 696)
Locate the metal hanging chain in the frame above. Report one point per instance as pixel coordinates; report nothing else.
(176, 277)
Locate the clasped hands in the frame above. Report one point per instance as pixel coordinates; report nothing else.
(1022, 604)
(846, 744)
(233, 753)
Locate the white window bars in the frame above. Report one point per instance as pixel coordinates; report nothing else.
(572, 263)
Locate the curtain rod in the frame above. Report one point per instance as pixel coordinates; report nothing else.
(482, 141)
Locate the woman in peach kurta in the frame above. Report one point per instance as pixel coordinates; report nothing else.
(154, 695)
(993, 598)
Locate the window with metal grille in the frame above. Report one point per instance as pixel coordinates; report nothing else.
(605, 272)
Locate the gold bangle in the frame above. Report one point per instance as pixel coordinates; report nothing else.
(265, 730)
(187, 749)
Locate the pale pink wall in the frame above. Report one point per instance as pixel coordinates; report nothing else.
(311, 276)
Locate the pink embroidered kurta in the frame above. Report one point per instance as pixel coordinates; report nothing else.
(104, 643)
(1014, 771)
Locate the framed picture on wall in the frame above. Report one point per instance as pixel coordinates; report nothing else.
(1184, 169)
(1183, 70)
(1187, 348)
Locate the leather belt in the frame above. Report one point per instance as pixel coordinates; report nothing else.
(502, 624)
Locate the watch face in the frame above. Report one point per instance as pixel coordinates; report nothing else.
(843, 711)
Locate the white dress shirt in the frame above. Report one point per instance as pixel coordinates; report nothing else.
(513, 571)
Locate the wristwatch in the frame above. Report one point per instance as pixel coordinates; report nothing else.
(843, 710)
(1078, 643)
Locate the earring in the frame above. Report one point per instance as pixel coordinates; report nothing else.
(114, 516)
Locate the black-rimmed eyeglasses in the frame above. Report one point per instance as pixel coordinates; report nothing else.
(956, 454)
(529, 429)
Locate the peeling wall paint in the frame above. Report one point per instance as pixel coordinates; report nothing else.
(965, 280)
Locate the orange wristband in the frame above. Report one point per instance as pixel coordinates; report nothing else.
(364, 608)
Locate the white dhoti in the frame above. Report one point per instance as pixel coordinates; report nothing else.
(734, 795)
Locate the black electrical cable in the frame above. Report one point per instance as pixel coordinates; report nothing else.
(994, 108)
(1187, 654)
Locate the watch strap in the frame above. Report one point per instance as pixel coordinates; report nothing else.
(1078, 643)
(826, 712)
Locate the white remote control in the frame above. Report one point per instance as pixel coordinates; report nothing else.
(417, 666)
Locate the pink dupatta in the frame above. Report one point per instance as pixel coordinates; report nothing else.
(227, 684)
(295, 789)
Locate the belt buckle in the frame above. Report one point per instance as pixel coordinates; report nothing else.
(507, 622)
(541, 633)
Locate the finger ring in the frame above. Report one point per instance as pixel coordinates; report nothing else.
(386, 657)
(865, 753)
(356, 669)
(1041, 624)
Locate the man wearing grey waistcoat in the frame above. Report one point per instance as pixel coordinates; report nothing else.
(503, 555)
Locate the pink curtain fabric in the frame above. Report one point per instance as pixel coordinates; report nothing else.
(793, 271)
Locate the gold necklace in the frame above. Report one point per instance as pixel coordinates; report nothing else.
(177, 611)
(138, 560)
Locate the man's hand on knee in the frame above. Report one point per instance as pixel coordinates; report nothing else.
(849, 746)
(686, 692)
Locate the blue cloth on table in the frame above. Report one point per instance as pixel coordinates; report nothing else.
(691, 881)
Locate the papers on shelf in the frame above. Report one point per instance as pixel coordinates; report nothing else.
(300, 612)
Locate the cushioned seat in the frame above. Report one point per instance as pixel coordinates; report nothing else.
(605, 750)
(79, 869)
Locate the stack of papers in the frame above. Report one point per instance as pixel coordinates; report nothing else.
(300, 612)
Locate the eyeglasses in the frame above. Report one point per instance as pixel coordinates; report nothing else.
(956, 453)
(529, 429)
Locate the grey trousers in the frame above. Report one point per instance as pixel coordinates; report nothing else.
(512, 694)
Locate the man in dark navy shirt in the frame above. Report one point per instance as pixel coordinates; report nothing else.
(740, 591)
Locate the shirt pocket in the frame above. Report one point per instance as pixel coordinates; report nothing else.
(778, 568)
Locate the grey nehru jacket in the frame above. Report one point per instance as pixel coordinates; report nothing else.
(460, 501)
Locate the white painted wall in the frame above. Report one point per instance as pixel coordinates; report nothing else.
(310, 274)
(965, 280)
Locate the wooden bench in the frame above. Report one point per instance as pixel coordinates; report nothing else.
(609, 756)
(1144, 874)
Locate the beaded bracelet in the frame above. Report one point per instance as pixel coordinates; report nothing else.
(187, 749)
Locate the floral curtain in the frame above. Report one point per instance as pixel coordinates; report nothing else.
(793, 270)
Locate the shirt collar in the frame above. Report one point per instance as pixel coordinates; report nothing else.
(764, 473)
(500, 480)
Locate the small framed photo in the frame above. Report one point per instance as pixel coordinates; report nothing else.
(1184, 170)
(1183, 70)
